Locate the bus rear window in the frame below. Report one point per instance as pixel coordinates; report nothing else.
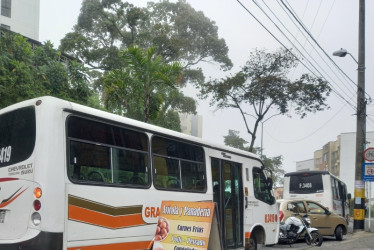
(306, 183)
(17, 135)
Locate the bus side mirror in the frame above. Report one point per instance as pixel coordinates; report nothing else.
(269, 183)
(349, 196)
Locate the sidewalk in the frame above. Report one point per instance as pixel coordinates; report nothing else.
(358, 240)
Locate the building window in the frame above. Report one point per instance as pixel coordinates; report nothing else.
(7, 27)
(6, 7)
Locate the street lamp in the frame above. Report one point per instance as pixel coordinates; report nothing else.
(359, 199)
(342, 53)
(359, 195)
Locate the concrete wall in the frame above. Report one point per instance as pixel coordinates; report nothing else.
(24, 18)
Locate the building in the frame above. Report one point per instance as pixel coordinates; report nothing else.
(21, 16)
(306, 165)
(278, 193)
(192, 124)
(339, 157)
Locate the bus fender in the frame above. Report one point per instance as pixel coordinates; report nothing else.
(257, 231)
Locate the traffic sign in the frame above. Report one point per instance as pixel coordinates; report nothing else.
(368, 172)
(369, 154)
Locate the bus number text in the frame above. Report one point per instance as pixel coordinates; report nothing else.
(5, 154)
(271, 218)
(305, 185)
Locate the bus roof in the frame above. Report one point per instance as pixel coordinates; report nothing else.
(313, 172)
(100, 114)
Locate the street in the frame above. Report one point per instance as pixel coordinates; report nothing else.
(361, 240)
(358, 240)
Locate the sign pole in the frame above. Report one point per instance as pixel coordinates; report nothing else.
(369, 207)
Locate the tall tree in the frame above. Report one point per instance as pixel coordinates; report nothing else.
(143, 87)
(27, 72)
(273, 163)
(177, 31)
(262, 88)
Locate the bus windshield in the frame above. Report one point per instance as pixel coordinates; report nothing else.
(306, 183)
(17, 135)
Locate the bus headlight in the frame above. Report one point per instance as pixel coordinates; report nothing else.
(36, 219)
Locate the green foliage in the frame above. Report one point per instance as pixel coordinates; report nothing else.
(262, 87)
(234, 140)
(273, 163)
(146, 89)
(179, 37)
(28, 73)
(177, 31)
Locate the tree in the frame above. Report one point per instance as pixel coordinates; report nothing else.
(143, 88)
(234, 140)
(273, 163)
(262, 87)
(177, 31)
(28, 73)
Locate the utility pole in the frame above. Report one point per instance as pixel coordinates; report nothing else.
(359, 202)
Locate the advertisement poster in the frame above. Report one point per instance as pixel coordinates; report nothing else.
(184, 225)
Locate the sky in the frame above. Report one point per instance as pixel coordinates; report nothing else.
(332, 23)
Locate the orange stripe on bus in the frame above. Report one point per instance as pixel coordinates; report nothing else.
(140, 245)
(11, 200)
(104, 220)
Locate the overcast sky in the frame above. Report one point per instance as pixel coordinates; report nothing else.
(333, 23)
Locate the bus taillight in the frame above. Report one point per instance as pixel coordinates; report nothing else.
(38, 192)
(36, 218)
(37, 205)
(281, 215)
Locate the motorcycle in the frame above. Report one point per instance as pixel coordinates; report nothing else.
(298, 226)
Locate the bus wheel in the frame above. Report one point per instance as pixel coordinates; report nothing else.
(339, 233)
(252, 242)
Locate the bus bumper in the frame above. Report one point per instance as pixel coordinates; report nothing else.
(43, 241)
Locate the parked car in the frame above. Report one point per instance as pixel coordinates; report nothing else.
(328, 223)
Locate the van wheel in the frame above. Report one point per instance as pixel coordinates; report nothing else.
(339, 233)
(252, 243)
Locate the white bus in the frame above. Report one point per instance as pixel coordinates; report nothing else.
(320, 186)
(73, 177)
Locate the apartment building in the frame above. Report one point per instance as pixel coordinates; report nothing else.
(339, 157)
(21, 16)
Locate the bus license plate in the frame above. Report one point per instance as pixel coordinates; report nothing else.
(2, 216)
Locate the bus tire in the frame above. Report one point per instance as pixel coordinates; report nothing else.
(339, 233)
(253, 242)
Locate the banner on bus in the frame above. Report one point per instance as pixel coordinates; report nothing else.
(187, 226)
(368, 172)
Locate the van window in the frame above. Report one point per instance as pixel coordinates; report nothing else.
(306, 183)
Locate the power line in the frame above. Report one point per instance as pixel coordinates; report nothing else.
(303, 47)
(315, 41)
(289, 50)
(312, 133)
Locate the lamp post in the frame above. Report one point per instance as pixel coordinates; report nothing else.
(359, 195)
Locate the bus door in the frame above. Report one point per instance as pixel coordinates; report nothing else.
(228, 194)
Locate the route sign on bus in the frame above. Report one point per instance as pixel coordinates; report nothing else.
(369, 154)
(368, 172)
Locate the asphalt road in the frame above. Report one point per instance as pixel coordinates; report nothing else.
(360, 240)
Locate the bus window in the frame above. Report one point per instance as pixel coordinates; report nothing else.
(103, 153)
(260, 186)
(306, 183)
(17, 135)
(178, 165)
(129, 167)
(89, 162)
